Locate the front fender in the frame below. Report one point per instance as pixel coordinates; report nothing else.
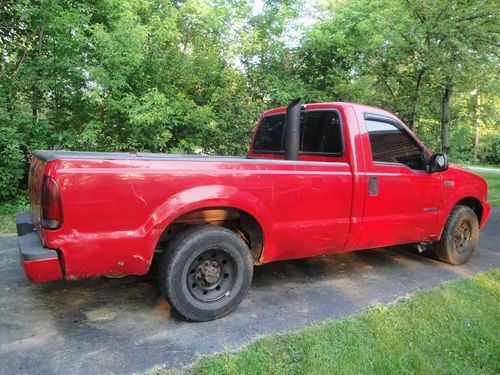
(460, 184)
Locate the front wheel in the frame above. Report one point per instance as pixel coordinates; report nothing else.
(205, 272)
(459, 238)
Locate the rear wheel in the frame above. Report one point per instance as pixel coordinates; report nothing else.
(205, 272)
(459, 238)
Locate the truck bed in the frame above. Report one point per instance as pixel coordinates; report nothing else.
(117, 205)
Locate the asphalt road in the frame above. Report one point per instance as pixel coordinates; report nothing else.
(123, 326)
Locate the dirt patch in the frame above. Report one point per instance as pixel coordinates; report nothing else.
(100, 315)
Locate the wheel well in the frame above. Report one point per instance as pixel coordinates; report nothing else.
(240, 222)
(474, 204)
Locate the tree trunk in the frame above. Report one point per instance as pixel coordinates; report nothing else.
(416, 98)
(476, 123)
(35, 91)
(34, 103)
(445, 111)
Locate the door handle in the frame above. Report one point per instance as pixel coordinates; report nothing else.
(373, 186)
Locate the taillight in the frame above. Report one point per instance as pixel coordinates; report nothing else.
(51, 204)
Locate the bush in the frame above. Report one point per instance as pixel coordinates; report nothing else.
(12, 163)
(489, 151)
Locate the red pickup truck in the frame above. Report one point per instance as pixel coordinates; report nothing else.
(318, 179)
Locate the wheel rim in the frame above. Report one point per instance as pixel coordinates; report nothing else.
(462, 236)
(211, 275)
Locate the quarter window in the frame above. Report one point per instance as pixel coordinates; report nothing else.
(269, 136)
(391, 144)
(320, 133)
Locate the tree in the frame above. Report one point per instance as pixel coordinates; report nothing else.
(459, 37)
(400, 54)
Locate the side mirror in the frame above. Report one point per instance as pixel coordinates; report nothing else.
(438, 163)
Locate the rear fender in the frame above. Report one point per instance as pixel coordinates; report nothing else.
(209, 196)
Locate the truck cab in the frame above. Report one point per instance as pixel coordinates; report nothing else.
(394, 181)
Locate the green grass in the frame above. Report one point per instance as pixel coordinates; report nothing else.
(493, 179)
(453, 329)
(8, 212)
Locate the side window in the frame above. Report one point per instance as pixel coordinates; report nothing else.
(320, 133)
(391, 144)
(269, 136)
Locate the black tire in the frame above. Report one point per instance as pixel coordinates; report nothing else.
(459, 238)
(205, 272)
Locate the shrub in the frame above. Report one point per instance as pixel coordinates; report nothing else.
(12, 163)
(489, 152)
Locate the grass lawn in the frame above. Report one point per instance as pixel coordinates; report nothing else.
(493, 179)
(453, 329)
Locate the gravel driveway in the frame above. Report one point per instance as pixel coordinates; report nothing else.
(124, 326)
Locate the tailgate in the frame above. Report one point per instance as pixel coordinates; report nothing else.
(37, 169)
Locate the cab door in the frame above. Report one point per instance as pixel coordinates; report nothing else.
(402, 200)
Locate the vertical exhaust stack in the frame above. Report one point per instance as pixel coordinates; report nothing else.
(292, 130)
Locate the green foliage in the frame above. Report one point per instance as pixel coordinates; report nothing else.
(194, 76)
(490, 150)
(12, 165)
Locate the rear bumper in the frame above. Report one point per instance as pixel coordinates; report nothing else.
(39, 263)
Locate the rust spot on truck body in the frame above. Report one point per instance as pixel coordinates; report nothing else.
(209, 215)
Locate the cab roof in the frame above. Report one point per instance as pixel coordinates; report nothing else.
(337, 105)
